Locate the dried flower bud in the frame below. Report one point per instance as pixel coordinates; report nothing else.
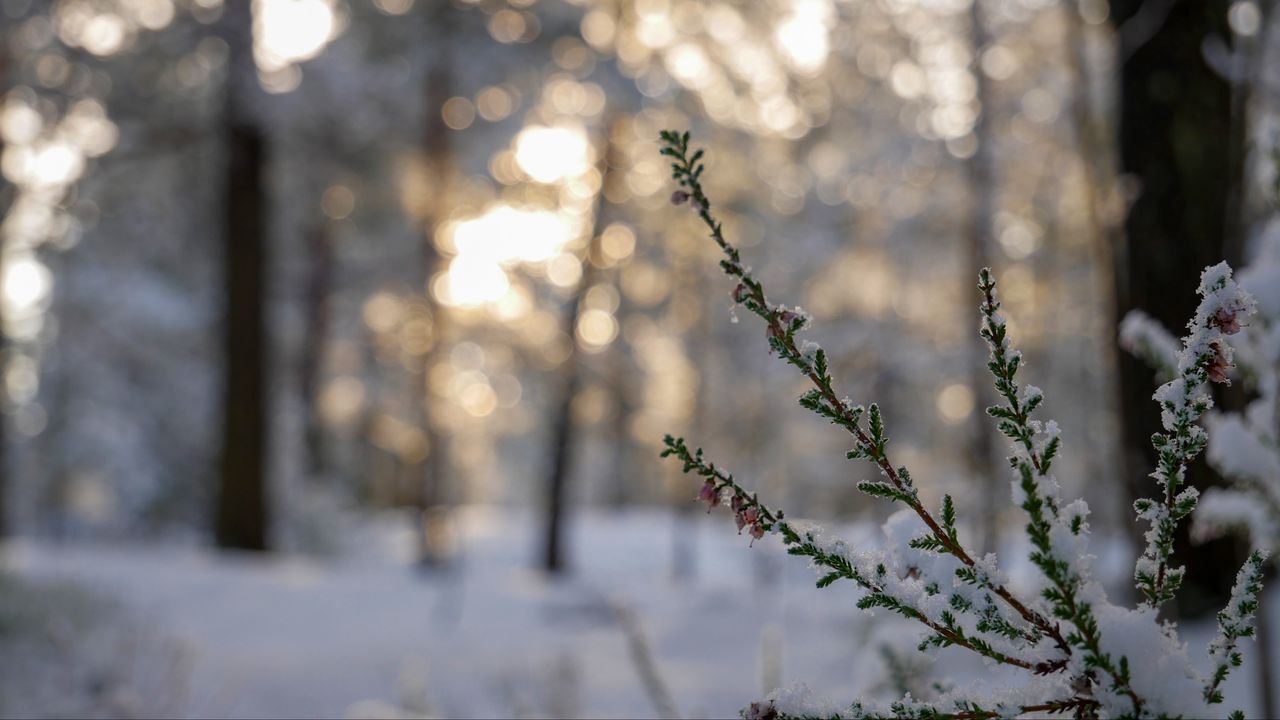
(756, 531)
(709, 495)
(1227, 321)
(751, 514)
(1219, 365)
(736, 502)
(740, 520)
(763, 710)
(679, 197)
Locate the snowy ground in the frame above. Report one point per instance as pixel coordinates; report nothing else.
(190, 632)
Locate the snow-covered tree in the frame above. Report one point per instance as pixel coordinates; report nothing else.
(1058, 646)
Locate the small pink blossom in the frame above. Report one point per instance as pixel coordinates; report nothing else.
(756, 531)
(1227, 321)
(679, 197)
(786, 317)
(740, 520)
(736, 502)
(709, 495)
(1218, 365)
(751, 514)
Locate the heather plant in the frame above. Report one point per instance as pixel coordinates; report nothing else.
(1060, 647)
(1244, 445)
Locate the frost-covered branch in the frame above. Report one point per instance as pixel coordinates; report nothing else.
(1235, 621)
(836, 561)
(1143, 336)
(1038, 494)
(1205, 357)
(782, 324)
(796, 703)
(1070, 645)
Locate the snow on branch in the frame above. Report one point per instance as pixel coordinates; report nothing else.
(1234, 622)
(1068, 647)
(1143, 336)
(1205, 357)
(1245, 446)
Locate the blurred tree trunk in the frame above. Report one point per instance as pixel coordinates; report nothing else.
(7, 192)
(564, 436)
(1176, 139)
(243, 517)
(1093, 133)
(622, 379)
(983, 466)
(428, 478)
(319, 283)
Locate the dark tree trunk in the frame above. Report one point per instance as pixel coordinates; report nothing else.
(564, 434)
(7, 191)
(243, 518)
(1176, 140)
(427, 480)
(319, 284)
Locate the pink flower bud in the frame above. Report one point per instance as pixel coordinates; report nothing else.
(786, 317)
(740, 520)
(1218, 366)
(1227, 321)
(756, 531)
(679, 197)
(741, 293)
(709, 495)
(735, 502)
(761, 711)
(751, 514)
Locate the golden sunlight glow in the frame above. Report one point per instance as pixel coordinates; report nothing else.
(54, 163)
(19, 122)
(487, 245)
(564, 270)
(104, 34)
(26, 285)
(617, 242)
(382, 312)
(596, 329)
(506, 235)
(473, 281)
(689, 64)
(107, 28)
(802, 36)
(341, 401)
(550, 154)
(291, 31)
(955, 403)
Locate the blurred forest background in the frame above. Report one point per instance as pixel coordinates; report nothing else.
(273, 270)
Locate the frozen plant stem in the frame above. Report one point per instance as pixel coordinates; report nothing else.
(719, 484)
(1057, 637)
(1205, 357)
(782, 325)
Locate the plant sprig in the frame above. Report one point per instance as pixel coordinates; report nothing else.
(782, 324)
(1099, 681)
